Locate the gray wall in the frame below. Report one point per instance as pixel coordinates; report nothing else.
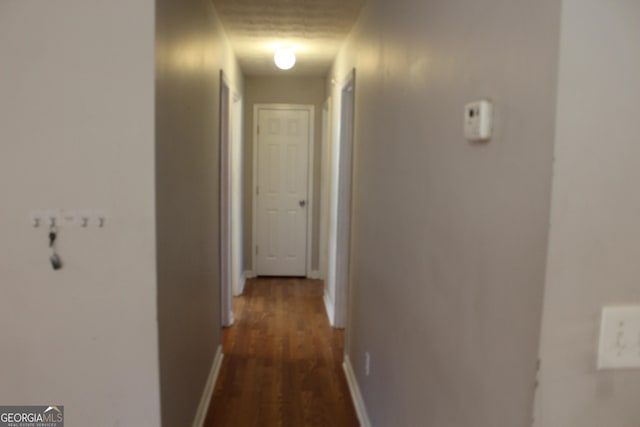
(76, 131)
(595, 237)
(449, 238)
(281, 90)
(191, 49)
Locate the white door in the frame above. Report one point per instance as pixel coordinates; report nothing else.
(282, 204)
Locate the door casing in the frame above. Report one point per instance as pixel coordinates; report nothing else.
(325, 176)
(344, 207)
(226, 311)
(236, 174)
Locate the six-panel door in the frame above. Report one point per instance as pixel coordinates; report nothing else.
(283, 144)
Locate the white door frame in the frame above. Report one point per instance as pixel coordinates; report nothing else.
(324, 188)
(226, 305)
(344, 208)
(254, 233)
(236, 174)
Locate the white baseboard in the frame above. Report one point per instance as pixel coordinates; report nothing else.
(315, 274)
(328, 305)
(241, 282)
(249, 274)
(231, 319)
(203, 407)
(356, 396)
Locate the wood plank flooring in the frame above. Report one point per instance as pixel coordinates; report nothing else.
(282, 361)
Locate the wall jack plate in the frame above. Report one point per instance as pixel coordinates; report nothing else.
(619, 338)
(478, 120)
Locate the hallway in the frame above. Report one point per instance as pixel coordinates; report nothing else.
(282, 360)
(482, 276)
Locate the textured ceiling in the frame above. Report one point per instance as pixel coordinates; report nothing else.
(314, 28)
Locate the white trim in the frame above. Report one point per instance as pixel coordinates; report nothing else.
(310, 182)
(254, 185)
(203, 406)
(311, 109)
(242, 280)
(328, 306)
(236, 176)
(224, 139)
(356, 396)
(344, 206)
(250, 274)
(324, 188)
(315, 274)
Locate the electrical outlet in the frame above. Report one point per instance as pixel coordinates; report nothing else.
(619, 338)
(478, 120)
(367, 363)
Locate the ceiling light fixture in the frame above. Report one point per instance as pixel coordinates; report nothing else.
(284, 58)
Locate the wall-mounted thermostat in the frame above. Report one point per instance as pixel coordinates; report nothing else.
(478, 120)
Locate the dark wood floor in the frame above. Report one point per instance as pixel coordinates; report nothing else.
(282, 361)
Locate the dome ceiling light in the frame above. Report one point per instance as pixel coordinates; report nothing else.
(285, 58)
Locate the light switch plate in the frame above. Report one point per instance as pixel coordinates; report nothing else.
(619, 338)
(478, 120)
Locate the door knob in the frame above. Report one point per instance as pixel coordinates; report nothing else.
(302, 203)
